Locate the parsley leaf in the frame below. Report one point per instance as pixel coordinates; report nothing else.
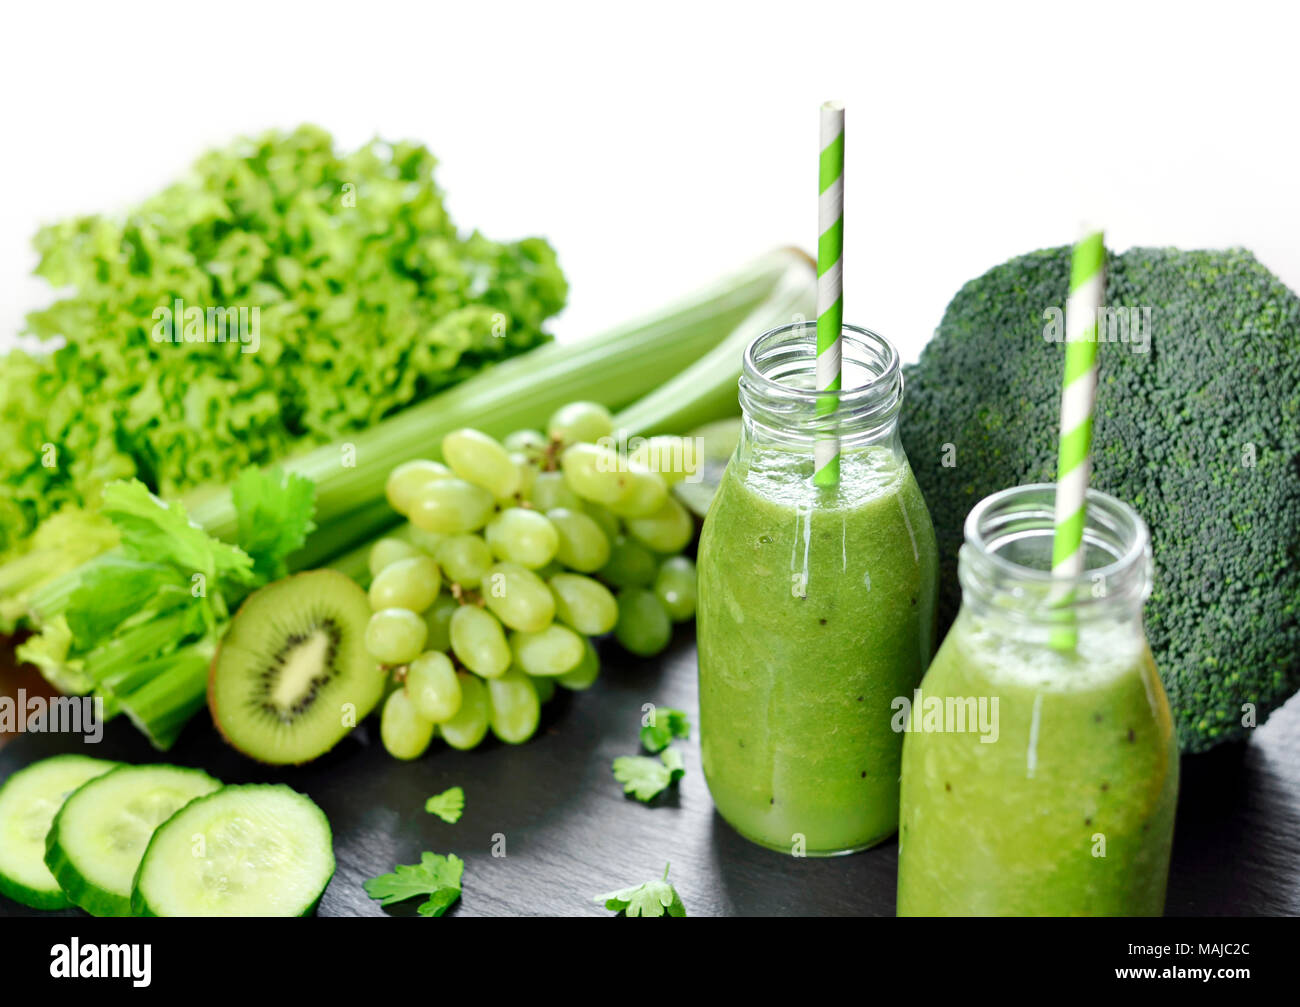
(435, 876)
(653, 898)
(672, 758)
(665, 725)
(448, 805)
(275, 517)
(644, 777)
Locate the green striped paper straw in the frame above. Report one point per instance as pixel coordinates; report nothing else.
(830, 286)
(1078, 398)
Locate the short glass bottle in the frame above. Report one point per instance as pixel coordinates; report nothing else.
(1040, 768)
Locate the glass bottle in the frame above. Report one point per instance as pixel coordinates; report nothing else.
(816, 603)
(1060, 799)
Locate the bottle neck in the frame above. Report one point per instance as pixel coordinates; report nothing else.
(782, 404)
(1005, 562)
(757, 435)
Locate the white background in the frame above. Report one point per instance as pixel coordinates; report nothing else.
(660, 144)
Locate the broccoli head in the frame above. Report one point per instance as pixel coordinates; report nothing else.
(1197, 427)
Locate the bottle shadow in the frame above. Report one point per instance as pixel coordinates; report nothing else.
(1235, 837)
(756, 881)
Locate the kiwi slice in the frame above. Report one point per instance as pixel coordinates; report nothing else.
(292, 676)
(717, 442)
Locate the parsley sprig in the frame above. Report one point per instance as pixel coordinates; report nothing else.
(448, 805)
(646, 778)
(665, 725)
(651, 898)
(436, 876)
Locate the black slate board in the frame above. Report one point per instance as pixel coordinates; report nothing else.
(570, 833)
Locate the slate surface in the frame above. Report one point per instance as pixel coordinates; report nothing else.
(569, 832)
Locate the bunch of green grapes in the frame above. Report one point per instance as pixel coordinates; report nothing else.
(517, 554)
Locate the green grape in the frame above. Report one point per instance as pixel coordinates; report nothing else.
(395, 636)
(675, 587)
(464, 559)
(630, 564)
(643, 626)
(608, 522)
(481, 460)
(673, 458)
(389, 550)
(405, 733)
(527, 476)
(554, 650)
(451, 506)
(519, 535)
(470, 724)
(438, 621)
(407, 480)
(433, 687)
(545, 689)
(644, 493)
(585, 674)
(426, 541)
(583, 546)
(550, 490)
(668, 530)
(531, 442)
(580, 421)
(594, 473)
(518, 597)
(513, 707)
(409, 583)
(479, 641)
(585, 604)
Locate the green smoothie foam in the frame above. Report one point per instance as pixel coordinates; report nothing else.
(796, 691)
(1085, 763)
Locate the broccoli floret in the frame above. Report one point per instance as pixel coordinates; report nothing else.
(1201, 434)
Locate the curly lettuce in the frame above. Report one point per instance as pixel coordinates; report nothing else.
(367, 299)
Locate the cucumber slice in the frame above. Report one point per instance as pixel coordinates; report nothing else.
(29, 800)
(99, 835)
(254, 850)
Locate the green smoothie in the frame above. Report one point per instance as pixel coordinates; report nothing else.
(815, 612)
(1070, 810)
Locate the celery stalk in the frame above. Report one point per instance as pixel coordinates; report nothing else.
(615, 368)
(124, 653)
(169, 692)
(703, 392)
(369, 522)
(355, 563)
(706, 390)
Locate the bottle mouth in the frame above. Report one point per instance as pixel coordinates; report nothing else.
(1006, 557)
(778, 383)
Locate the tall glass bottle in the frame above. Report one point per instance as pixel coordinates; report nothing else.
(816, 603)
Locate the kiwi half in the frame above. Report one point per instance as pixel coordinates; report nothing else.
(292, 676)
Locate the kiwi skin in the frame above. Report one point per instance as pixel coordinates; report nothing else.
(368, 678)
